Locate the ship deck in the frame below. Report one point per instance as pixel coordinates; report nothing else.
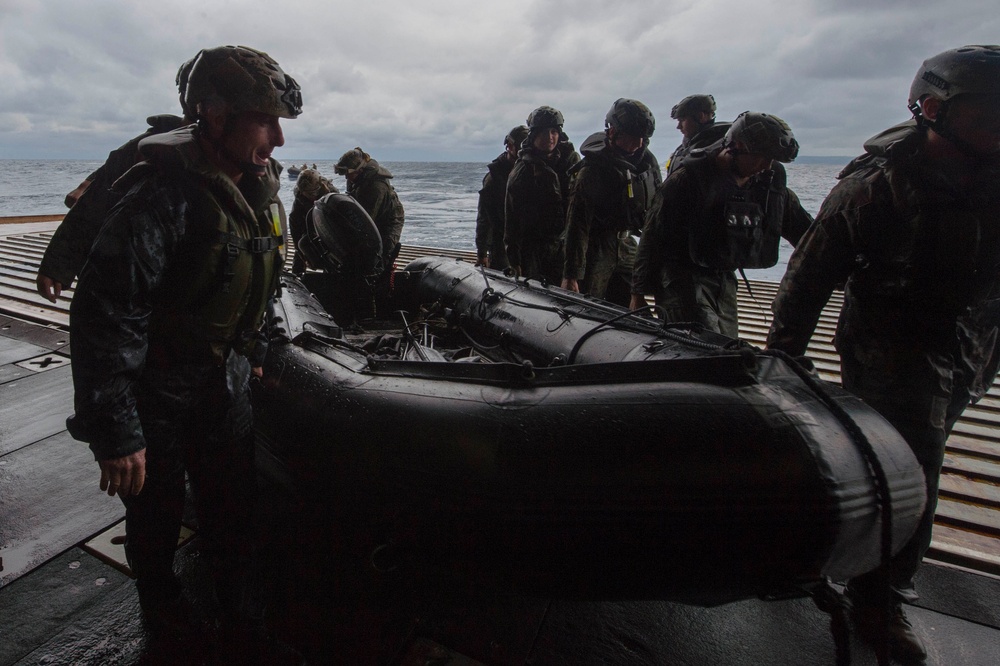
(65, 597)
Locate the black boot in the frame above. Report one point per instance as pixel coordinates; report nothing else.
(168, 612)
(881, 627)
(250, 644)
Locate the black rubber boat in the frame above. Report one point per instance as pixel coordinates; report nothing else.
(510, 430)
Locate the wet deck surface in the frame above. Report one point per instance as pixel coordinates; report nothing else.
(59, 603)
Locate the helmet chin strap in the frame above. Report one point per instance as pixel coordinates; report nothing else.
(941, 128)
(247, 167)
(735, 152)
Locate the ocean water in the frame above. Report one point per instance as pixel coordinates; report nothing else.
(439, 198)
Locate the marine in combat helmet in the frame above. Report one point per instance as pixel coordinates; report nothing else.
(490, 251)
(612, 188)
(725, 209)
(537, 196)
(913, 232)
(164, 317)
(695, 116)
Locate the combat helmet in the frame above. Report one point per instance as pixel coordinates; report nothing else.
(244, 78)
(763, 134)
(544, 117)
(630, 116)
(352, 160)
(516, 135)
(965, 70)
(692, 105)
(341, 238)
(182, 81)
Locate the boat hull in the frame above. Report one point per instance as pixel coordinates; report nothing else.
(697, 475)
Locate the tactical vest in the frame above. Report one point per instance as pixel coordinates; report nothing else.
(636, 190)
(640, 190)
(226, 268)
(735, 227)
(939, 256)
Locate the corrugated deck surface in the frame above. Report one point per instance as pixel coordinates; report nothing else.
(967, 531)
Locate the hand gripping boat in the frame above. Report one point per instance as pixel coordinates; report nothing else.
(507, 429)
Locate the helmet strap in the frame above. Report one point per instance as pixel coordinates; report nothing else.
(941, 128)
(247, 167)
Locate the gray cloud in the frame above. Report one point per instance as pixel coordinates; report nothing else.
(447, 79)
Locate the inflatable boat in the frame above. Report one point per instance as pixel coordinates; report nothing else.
(504, 428)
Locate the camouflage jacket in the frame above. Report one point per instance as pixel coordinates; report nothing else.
(178, 277)
(690, 196)
(490, 215)
(68, 248)
(376, 195)
(309, 187)
(609, 194)
(919, 258)
(537, 193)
(701, 140)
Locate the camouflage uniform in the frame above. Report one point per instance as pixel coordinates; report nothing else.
(376, 195)
(699, 190)
(535, 211)
(712, 133)
(167, 305)
(920, 258)
(608, 201)
(372, 189)
(68, 248)
(309, 187)
(490, 217)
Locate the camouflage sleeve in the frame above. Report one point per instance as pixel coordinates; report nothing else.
(823, 259)
(797, 219)
(297, 219)
(484, 221)
(67, 250)
(514, 215)
(579, 218)
(397, 219)
(386, 211)
(110, 311)
(661, 233)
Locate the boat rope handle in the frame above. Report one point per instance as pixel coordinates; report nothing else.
(864, 446)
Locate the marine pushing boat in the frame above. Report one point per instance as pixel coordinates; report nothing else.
(511, 430)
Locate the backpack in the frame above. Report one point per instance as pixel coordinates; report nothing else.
(736, 228)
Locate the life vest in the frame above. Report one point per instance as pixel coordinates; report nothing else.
(226, 268)
(637, 182)
(640, 190)
(735, 227)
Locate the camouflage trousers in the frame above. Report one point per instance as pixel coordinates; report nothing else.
(610, 260)
(542, 259)
(923, 400)
(705, 298)
(196, 420)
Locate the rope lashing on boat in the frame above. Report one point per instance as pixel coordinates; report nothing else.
(491, 295)
(864, 445)
(668, 331)
(586, 336)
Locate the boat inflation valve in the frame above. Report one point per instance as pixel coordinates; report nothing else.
(385, 558)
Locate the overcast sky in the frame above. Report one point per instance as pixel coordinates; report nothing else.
(446, 79)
